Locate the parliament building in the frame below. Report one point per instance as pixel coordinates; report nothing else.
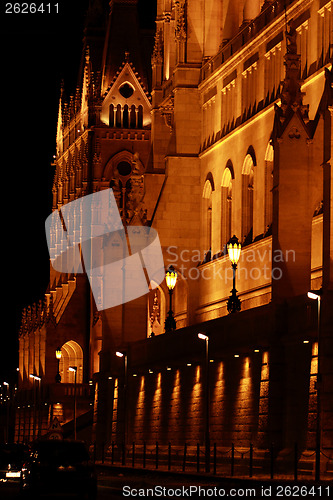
(216, 123)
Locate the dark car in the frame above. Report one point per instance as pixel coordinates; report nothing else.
(59, 467)
(12, 457)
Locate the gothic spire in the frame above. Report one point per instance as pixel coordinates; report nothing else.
(124, 34)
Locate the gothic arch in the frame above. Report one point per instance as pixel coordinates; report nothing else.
(251, 152)
(71, 355)
(226, 203)
(269, 159)
(248, 164)
(207, 207)
(209, 185)
(132, 159)
(229, 169)
(247, 195)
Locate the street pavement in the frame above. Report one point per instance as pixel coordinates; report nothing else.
(132, 484)
(123, 483)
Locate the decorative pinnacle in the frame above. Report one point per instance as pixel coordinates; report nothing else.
(291, 94)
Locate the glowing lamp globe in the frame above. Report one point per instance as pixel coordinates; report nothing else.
(58, 353)
(234, 249)
(171, 278)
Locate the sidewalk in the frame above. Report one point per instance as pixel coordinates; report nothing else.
(117, 477)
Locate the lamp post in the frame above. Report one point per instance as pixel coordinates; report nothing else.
(7, 410)
(121, 354)
(234, 250)
(316, 295)
(204, 337)
(171, 280)
(35, 377)
(74, 369)
(58, 356)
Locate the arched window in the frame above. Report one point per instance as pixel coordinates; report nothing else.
(71, 355)
(269, 158)
(111, 115)
(207, 215)
(226, 204)
(125, 117)
(247, 198)
(118, 116)
(140, 116)
(133, 117)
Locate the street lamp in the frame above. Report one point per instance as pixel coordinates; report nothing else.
(74, 369)
(7, 410)
(204, 337)
(171, 280)
(316, 295)
(234, 250)
(35, 377)
(121, 354)
(58, 356)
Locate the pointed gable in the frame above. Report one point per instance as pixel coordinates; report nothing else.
(124, 34)
(295, 127)
(126, 103)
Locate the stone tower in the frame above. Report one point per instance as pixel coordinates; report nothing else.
(103, 140)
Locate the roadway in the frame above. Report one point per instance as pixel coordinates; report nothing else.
(115, 484)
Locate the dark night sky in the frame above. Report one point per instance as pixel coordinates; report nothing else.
(38, 51)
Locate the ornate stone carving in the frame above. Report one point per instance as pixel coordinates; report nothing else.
(167, 113)
(294, 133)
(291, 94)
(291, 36)
(155, 325)
(180, 31)
(129, 189)
(157, 57)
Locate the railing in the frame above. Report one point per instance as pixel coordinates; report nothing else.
(229, 462)
(250, 31)
(63, 391)
(54, 392)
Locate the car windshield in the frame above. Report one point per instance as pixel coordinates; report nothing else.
(61, 452)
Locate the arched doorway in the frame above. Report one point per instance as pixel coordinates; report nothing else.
(71, 355)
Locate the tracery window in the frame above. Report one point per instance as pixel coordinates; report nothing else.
(207, 216)
(247, 198)
(269, 158)
(126, 90)
(226, 205)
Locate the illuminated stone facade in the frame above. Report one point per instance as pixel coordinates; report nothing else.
(228, 132)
